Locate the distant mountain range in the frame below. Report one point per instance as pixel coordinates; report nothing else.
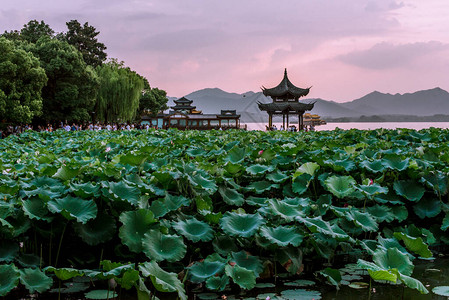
(426, 105)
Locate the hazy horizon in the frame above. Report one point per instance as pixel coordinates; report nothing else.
(345, 49)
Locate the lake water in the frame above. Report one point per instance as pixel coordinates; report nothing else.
(363, 125)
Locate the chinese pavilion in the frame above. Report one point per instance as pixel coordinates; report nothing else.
(285, 102)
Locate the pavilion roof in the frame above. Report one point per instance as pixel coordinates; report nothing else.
(285, 106)
(285, 89)
(183, 100)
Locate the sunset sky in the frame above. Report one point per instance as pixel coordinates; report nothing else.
(343, 48)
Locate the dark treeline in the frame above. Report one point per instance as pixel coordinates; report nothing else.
(48, 77)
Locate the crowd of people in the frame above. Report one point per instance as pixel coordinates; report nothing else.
(18, 129)
(291, 128)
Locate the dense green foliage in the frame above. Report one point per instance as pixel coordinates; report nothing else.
(119, 93)
(21, 82)
(153, 100)
(225, 206)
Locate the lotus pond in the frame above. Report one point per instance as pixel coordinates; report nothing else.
(136, 214)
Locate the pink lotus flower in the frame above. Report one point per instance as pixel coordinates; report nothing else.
(260, 152)
(371, 182)
(107, 149)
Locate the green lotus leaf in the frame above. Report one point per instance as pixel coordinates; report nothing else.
(133, 159)
(332, 275)
(375, 166)
(233, 168)
(395, 162)
(441, 290)
(282, 235)
(261, 186)
(231, 196)
(376, 272)
(409, 189)
(243, 277)
(85, 190)
(42, 181)
(236, 155)
(340, 186)
(35, 280)
(159, 246)
(307, 168)
(427, 208)
(201, 271)
(381, 213)
(158, 208)
(29, 260)
(400, 213)
(286, 210)
(135, 225)
(123, 192)
(301, 183)
(45, 193)
(194, 152)
(8, 251)
(64, 273)
(100, 294)
(217, 283)
(162, 280)
(412, 283)
(201, 182)
(364, 220)
(66, 173)
(277, 176)
(386, 243)
(194, 230)
(437, 181)
(8, 186)
(445, 224)
(258, 169)
(129, 279)
(36, 208)
(300, 294)
(317, 224)
(372, 189)
(390, 198)
(96, 231)
(392, 258)
(224, 244)
(9, 278)
(300, 282)
(245, 225)
(341, 165)
(415, 244)
(247, 261)
(174, 202)
(74, 208)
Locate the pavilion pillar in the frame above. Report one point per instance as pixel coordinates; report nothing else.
(287, 121)
(301, 121)
(270, 120)
(283, 119)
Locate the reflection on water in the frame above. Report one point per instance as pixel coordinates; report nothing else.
(364, 125)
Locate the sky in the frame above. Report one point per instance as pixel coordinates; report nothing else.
(344, 49)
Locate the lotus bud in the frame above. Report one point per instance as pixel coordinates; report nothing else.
(260, 152)
(108, 149)
(371, 182)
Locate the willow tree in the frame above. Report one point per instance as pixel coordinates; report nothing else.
(119, 93)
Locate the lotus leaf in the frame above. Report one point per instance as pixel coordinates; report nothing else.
(159, 246)
(133, 159)
(64, 273)
(301, 183)
(217, 283)
(300, 294)
(441, 290)
(364, 220)
(412, 282)
(277, 177)
(247, 261)
(319, 225)
(409, 189)
(224, 244)
(392, 258)
(437, 181)
(123, 192)
(400, 212)
(258, 169)
(201, 271)
(135, 225)
(96, 231)
(341, 165)
(445, 224)
(244, 225)
(236, 155)
(340, 186)
(231, 196)
(307, 168)
(376, 272)
(291, 259)
(100, 294)
(372, 189)
(261, 186)
(66, 173)
(36, 208)
(300, 282)
(35, 280)
(74, 208)
(395, 162)
(8, 251)
(243, 277)
(427, 208)
(381, 213)
(201, 182)
(375, 166)
(282, 235)
(9, 278)
(194, 230)
(174, 202)
(285, 210)
(163, 281)
(415, 244)
(85, 190)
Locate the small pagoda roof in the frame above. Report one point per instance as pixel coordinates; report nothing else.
(183, 100)
(285, 89)
(285, 106)
(183, 107)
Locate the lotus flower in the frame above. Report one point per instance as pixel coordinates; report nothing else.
(260, 152)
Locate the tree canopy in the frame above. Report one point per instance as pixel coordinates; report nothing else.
(21, 83)
(84, 38)
(72, 85)
(153, 100)
(119, 93)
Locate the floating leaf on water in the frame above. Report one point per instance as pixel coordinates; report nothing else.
(442, 290)
(359, 285)
(208, 296)
(100, 294)
(300, 282)
(300, 294)
(263, 285)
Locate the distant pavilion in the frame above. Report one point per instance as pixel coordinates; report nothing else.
(285, 98)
